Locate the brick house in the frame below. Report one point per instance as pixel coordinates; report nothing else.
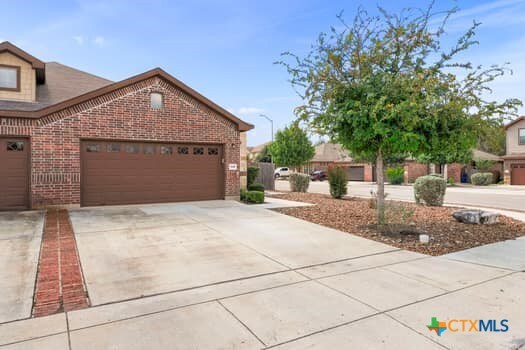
(70, 138)
(514, 159)
(331, 154)
(456, 171)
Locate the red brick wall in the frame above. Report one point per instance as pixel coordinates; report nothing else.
(413, 170)
(124, 115)
(454, 171)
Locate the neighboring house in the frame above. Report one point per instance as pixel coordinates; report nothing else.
(330, 154)
(515, 158)
(71, 138)
(456, 171)
(254, 151)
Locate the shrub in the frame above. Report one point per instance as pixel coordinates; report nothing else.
(396, 175)
(338, 181)
(243, 195)
(430, 189)
(255, 197)
(481, 179)
(398, 217)
(299, 182)
(256, 187)
(252, 175)
(451, 181)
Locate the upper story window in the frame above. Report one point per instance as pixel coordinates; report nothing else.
(521, 136)
(9, 78)
(157, 100)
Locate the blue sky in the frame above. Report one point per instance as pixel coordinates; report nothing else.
(226, 49)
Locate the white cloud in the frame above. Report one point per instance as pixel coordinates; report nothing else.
(100, 41)
(250, 110)
(79, 39)
(499, 13)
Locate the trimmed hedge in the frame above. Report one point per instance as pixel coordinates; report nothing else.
(299, 182)
(338, 182)
(430, 189)
(256, 187)
(481, 179)
(256, 197)
(396, 176)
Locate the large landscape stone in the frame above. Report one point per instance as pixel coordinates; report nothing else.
(474, 216)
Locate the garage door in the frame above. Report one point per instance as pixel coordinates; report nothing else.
(14, 173)
(356, 173)
(517, 176)
(134, 172)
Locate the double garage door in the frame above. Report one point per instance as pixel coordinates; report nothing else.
(142, 172)
(356, 173)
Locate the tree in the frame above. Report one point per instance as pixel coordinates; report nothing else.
(492, 138)
(291, 147)
(264, 156)
(384, 86)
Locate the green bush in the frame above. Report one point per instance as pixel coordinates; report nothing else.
(338, 182)
(430, 189)
(451, 181)
(243, 195)
(256, 197)
(481, 179)
(256, 187)
(252, 175)
(299, 182)
(396, 176)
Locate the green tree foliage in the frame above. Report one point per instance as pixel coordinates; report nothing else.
(492, 138)
(484, 165)
(385, 85)
(291, 147)
(264, 156)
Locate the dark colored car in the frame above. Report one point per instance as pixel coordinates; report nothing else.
(318, 175)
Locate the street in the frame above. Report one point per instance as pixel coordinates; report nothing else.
(498, 197)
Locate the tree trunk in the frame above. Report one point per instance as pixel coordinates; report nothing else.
(380, 195)
(445, 172)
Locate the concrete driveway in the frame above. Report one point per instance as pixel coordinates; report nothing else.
(223, 275)
(20, 235)
(498, 197)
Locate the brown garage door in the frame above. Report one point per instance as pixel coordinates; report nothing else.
(14, 173)
(356, 173)
(517, 175)
(131, 172)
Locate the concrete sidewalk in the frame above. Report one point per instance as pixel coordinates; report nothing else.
(383, 301)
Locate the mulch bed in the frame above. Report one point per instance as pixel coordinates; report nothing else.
(354, 215)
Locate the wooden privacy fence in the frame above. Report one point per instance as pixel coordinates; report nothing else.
(265, 175)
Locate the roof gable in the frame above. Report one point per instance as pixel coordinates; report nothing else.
(37, 65)
(157, 72)
(517, 120)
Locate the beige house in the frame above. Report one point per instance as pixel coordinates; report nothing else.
(514, 160)
(331, 154)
